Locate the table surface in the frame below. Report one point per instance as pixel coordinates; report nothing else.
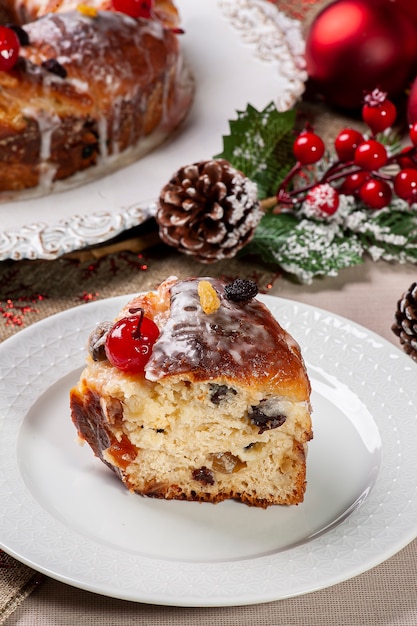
(366, 294)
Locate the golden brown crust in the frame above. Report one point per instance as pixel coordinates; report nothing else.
(165, 491)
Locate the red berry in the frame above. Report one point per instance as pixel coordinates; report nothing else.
(376, 194)
(352, 183)
(346, 143)
(308, 148)
(323, 198)
(413, 133)
(379, 116)
(370, 155)
(129, 342)
(405, 184)
(9, 48)
(134, 8)
(407, 158)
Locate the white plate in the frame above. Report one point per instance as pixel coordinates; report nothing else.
(241, 52)
(64, 513)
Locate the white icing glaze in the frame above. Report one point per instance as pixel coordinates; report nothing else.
(239, 339)
(102, 138)
(47, 123)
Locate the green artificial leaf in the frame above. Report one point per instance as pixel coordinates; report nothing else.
(270, 236)
(389, 234)
(305, 248)
(260, 145)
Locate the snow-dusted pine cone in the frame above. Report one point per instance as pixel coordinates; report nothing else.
(208, 210)
(405, 326)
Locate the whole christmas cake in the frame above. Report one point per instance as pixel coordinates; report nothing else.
(195, 392)
(85, 91)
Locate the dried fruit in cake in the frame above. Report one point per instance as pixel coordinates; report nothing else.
(218, 408)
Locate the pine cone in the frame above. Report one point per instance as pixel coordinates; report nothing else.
(208, 210)
(405, 326)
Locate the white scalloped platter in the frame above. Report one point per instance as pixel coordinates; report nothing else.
(240, 52)
(64, 513)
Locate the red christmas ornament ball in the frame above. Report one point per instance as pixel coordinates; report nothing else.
(409, 7)
(412, 104)
(353, 46)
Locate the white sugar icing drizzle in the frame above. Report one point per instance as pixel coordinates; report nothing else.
(47, 124)
(238, 340)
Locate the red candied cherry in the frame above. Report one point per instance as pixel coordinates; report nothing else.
(323, 198)
(130, 341)
(9, 48)
(370, 155)
(378, 112)
(376, 194)
(134, 8)
(353, 182)
(413, 133)
(346, 143)
(308, 148)
(405, 184)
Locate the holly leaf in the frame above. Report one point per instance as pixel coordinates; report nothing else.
(260, 145)
(389, 234)
(305, 248)
(270, 236)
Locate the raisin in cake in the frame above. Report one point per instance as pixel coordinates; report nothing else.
(218, 407)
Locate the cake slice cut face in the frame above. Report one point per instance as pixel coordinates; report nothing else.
(220, 408)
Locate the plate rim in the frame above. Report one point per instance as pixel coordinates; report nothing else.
(260, 564)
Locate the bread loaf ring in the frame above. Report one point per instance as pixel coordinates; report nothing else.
(91, 91)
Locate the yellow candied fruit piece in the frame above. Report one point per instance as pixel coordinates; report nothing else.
(209, 299)
(84, 9)
(226, 463)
